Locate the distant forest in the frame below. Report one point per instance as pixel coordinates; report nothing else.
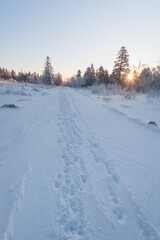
(47, 77)
(140, 78)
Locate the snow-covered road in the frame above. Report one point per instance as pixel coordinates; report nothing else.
(72, 168)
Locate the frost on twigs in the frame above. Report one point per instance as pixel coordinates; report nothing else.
(9, 106)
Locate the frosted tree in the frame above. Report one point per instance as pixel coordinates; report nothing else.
(156, 77)
(145, 80)
(78, 73)
(13, 73)
(90, 76)
(102, 75)
(155, 91)
(48, 75)
(121, 67)
(58, 80)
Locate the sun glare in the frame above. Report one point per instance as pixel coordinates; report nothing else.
(130, 76)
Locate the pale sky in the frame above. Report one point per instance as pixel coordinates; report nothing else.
(76, 33)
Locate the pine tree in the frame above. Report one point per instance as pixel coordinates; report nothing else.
(156, 78)
(121, 67)
(78, 74)
(13, 73)
(48, 75)
(145, 80)
(90, 76)
(102, 75)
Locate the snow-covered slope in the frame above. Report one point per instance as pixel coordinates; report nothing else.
(138, 107)
(72, 168)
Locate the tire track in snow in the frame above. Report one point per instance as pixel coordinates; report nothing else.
(99, 156)
(118, 193)
(112, 179)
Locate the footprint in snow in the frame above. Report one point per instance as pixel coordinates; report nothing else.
(65, 169)
(59, 140)
(74, 205)
(96, 159)
(75, 159)
(75, 227)
(59, 181)
(65, 191)
(115, 178)
(73, 189)
(118, 213)
(94, 144)
(83, 178)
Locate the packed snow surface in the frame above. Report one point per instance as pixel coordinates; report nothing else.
(72, 167)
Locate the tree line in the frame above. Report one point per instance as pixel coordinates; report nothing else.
(20, 77)
(47, 77)
(141, 78)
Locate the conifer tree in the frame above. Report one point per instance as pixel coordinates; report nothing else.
(78, 74)
(121, 67)
(48, 75)
(90, 76)
(102, 75)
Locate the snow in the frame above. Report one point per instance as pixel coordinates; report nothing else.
(74, 166)
(138, 107)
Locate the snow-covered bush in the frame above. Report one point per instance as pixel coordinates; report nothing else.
(77, 81)
(112, 89)
(17, 88)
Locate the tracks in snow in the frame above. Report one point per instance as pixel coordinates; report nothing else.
(122, 203)
(71, 221)
(64, 204)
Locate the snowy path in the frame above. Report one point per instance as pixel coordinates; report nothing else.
(71, 168)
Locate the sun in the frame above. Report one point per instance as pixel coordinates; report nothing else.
(130, 76)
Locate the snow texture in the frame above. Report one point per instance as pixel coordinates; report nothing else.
(75, 167)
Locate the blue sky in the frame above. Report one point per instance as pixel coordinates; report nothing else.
(76, 33)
